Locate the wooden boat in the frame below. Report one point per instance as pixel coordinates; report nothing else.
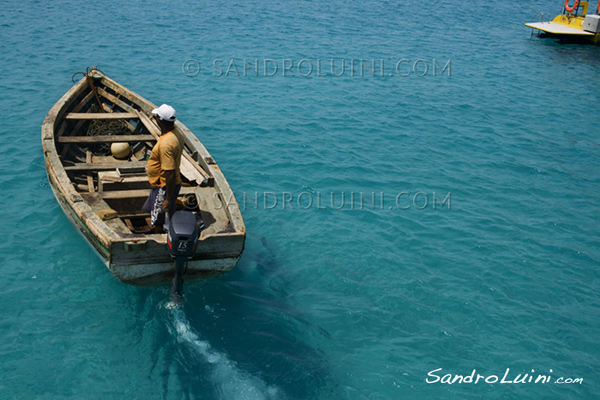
(102, 196)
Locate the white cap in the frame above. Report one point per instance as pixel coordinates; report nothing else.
(165, 112)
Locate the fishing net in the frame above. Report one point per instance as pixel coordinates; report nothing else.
(105, 127)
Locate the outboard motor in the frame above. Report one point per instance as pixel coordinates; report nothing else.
(182, 239)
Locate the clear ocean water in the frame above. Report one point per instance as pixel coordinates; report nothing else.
(477, 247)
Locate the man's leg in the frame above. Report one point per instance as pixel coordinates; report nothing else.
(173, 204)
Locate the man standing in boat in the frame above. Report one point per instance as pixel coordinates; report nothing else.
(163, 169)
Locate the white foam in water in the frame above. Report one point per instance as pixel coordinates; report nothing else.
(231, 381)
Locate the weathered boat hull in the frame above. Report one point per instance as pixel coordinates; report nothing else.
(134, 258)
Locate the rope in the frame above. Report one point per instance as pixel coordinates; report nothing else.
(105, 127)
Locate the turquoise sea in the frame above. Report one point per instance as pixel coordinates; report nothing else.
(476, 245)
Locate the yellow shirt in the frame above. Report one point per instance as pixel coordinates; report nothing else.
(166, 156)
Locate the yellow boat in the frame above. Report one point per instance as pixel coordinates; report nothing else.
(574, 24)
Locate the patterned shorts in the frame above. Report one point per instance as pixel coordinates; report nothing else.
(153, 204)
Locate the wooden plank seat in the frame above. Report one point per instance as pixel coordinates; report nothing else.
(106, 166)
(132, 194)
(74, 115)
(106, 139)
(114, 180)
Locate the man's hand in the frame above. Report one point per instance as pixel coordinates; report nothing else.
(165, 204)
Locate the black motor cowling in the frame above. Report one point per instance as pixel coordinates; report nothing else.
(182, 239)
(183, 234)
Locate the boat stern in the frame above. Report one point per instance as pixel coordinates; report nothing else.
(147, 262)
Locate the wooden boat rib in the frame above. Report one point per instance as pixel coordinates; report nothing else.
(102, 196)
